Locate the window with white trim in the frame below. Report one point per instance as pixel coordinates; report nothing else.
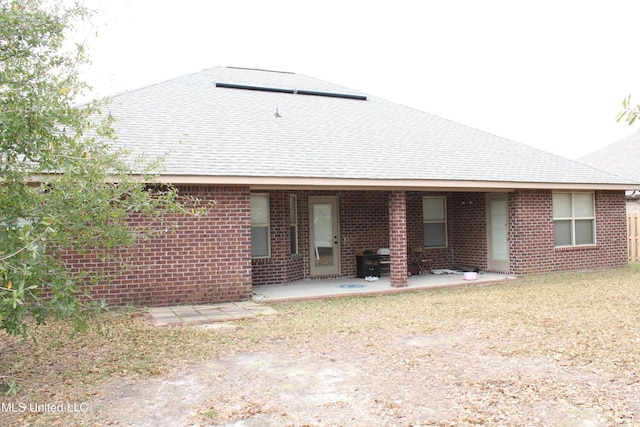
(293, 224)
(434, 219)
(260, 227)
(574, 220)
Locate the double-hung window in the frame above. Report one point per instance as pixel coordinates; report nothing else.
(434, 218)
(574, 221)
(260, 246)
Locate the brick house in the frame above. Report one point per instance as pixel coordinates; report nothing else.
(305, 174)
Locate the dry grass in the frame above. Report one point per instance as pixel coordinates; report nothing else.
(588, 320)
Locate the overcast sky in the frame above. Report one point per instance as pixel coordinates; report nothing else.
(546, 73)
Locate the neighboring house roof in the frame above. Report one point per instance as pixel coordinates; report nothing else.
(622, 157)
(256, 127)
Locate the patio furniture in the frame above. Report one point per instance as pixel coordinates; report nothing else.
(419, 258)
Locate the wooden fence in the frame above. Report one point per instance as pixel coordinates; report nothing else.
(633, 233)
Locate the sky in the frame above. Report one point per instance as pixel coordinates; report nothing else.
(551, 74)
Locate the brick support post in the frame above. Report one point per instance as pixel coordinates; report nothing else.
(398, 238)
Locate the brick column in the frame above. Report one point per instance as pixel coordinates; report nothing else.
(398, 238)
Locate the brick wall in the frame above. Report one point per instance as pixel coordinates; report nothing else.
(282, 266)
(398, 238)
(467, 221)
(531, 229)
(195, 259)
(208, 258)
(363, 225)
(466, 229)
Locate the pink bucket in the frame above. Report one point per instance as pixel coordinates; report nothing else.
(470, 275)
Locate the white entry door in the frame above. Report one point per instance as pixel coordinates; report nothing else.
(498, 232)
(324, 236)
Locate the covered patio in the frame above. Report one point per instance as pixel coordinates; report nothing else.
(340, 287)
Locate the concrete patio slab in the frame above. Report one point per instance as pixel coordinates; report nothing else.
(327, 288)
(304, 290)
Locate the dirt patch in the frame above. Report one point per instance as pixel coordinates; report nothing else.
(432, 379)
(549, 350)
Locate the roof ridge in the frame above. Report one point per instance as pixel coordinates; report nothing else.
(257, 69)
(160, 82)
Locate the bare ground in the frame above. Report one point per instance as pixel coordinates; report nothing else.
(451, 378)
(556, 350)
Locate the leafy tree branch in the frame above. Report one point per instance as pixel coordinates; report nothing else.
(629, 111)
(63, 187)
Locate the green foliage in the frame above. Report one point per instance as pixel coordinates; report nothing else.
(62, 186)
(629, 112)
(12, 387)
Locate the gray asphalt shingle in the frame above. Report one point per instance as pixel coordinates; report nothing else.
(220, 132)
(621, 157)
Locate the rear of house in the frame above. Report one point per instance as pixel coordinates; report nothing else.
(306, 176)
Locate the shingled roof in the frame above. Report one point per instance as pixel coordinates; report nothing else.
(255, 127)
(621, 157)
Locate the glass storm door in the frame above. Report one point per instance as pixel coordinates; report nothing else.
(324, 238)
(498, 232)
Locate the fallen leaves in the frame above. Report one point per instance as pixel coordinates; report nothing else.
(543, 350)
